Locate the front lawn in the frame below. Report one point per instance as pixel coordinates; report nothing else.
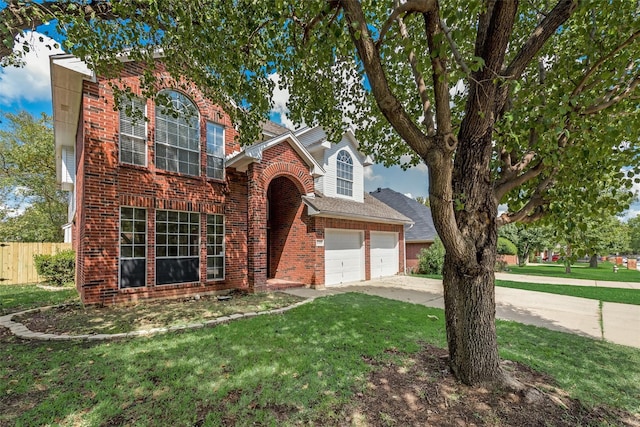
(580, 271)
(303, 367)
(15, 298)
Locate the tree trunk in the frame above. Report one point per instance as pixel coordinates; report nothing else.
(593, 261)
(470, 321)
(468, 276)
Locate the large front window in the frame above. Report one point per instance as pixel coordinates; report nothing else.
(133, 247)
(177, 247)
(344, 185)
(177, 134)
(215, 151)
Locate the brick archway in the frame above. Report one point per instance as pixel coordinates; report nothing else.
(290, 180)
(298, 175)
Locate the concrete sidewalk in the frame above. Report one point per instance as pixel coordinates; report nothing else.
(566, 281)
(617, 323)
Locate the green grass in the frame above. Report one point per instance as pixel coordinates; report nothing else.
(624, 296)
(580, 271)
(14, 298)
(305, 365)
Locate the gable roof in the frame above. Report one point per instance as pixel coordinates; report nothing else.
(253, 153)
(423, 229)
(372, 209)
(272, 129)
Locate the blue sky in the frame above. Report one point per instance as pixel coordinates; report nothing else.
(29, 89)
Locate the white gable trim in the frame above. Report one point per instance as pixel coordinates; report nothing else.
(241, 160)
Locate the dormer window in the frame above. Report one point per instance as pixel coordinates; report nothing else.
(344, 174)
(177, 134)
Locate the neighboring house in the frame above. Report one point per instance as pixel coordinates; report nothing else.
(419, 235)
(173, 206)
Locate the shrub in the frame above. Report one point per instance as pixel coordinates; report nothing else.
(431, 260)
(501, 265)
(506, 247)
(58, 269)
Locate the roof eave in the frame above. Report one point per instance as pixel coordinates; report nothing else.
(67, 75)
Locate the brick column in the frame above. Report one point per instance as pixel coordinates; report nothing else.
(257, 231)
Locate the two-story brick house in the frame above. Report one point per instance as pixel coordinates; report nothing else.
(173, 206)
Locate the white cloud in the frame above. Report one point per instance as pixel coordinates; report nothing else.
(280, 97)
(409, 195)
(420, 167)
(32, 82)
(370, 176)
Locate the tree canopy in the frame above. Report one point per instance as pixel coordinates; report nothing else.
(527, 104)
(34, 208)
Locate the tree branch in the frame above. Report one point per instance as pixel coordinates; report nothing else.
(410, 6)
(513, 180)
(547, 28)
(420, 83)
(610, 100)
(19, 16)
(454, 48)
(440, 80)
(580, 86)
(387, 102)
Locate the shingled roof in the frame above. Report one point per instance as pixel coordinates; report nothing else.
(423, 229)
(372, 209)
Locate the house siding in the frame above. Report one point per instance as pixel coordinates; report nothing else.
(329, 184)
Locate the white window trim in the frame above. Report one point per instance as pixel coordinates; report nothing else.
(198, 132)
(340, 179)
(156, 257)
(146, 248)
(222, 157)
(143, 139)
(224, 249)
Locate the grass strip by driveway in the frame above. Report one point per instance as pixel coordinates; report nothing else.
(624, 296)
(580, 271)
(14, 298)
(301, 367)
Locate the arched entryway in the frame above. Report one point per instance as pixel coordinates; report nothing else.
(290, 255)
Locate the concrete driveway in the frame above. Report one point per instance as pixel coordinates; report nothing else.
(617, 323)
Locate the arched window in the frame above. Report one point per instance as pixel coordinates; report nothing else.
(177, 133)
(345, 174)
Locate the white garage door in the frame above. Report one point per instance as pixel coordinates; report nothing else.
(384, 254)
(343, 256)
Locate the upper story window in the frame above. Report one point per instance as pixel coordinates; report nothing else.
(215, 151)
(133, 132)
(177, 134)
(344, 173)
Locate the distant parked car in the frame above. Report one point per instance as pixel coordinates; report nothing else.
(554, 258)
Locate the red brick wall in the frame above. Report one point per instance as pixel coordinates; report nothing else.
(413, 254)
(104, 186)
(291, 246)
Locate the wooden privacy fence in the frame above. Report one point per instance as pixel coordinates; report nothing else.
(16, 260)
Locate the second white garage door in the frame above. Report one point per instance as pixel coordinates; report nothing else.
(343, 256)
(384, 254)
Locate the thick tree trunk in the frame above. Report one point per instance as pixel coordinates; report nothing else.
(470, 321)
(468, 276)
(593, 261)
